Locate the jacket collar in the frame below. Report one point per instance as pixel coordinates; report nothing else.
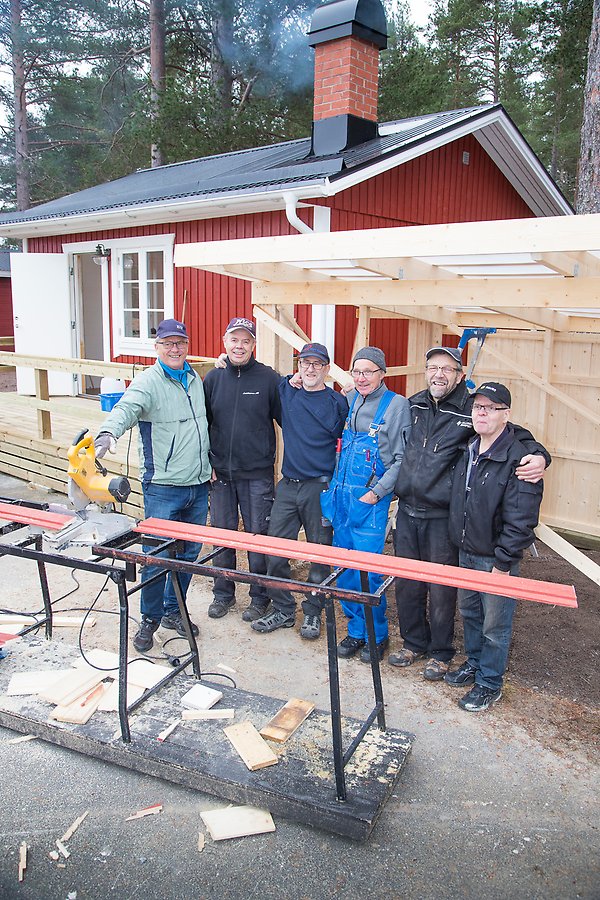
(499, 449)
(245, 368)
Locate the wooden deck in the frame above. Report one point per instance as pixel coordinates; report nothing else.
(44, 460)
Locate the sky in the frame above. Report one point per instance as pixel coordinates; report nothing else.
(419, 10)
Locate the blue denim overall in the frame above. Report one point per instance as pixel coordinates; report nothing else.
(358, 525)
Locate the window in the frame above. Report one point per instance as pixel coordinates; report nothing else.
(143, 291)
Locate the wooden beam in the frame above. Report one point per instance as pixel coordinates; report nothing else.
(42, 393)
(435, 573)
(361, 338)
(537, 235)
(578, 265)
(403, 268)
(572, 555)
(279, 272)
(539, 318)
(521, 293)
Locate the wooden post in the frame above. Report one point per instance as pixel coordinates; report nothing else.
(421, 336)
(361, 338)
(42, 393)
(547, 361)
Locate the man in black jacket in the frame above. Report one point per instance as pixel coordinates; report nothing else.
(242, 400)
(492, 517)
(441, 428)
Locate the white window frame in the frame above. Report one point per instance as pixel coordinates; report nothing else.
(142, 346)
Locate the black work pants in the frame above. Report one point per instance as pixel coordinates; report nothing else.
(427, 540)
(251, 498)
(298, 505)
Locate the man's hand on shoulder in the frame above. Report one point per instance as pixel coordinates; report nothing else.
(531, 468)
(221, 361)
(296, 380)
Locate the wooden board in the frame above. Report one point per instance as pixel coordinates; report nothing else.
(399, 567)
(81, 710)
(192, 715)
(145, 674)
(255, 752)
(23, 683)
(72, 686)
(110, 698)
(289, 718)
(237, 821)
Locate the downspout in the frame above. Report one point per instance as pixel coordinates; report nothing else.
(323, 317)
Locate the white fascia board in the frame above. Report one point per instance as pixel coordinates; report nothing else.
(166, 213)
(449, 135)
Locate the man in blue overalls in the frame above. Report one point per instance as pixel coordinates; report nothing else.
(360, 494)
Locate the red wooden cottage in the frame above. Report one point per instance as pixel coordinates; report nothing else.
(96, 275)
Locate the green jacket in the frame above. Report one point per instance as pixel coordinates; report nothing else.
(173, 445)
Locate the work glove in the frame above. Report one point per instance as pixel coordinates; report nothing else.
(103, 443)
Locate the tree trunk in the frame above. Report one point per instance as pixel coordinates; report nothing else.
(157, 71)
(588, 186)
(221, 53)
(20, 109)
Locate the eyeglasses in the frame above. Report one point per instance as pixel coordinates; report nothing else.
(486, 408)
(317, 366)
(170, 344)
(367, 373)
(447, 370)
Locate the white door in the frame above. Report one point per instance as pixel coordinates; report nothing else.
(42, 315)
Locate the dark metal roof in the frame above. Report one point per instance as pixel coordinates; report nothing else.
(247, 172)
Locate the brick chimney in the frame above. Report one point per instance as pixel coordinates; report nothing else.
(347, 36)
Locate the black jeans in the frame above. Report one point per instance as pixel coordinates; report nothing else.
(251, 498)
(427, 540)
(298, 505)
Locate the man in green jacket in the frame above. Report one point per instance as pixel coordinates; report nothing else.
(166, 402)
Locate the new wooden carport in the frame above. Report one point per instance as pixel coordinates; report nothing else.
(535, 280)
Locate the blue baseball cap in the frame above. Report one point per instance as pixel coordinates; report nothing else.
(313, 349)
(171, 328)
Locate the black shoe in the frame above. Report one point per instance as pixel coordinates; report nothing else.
(479, 698)
(381, 647)
(143, 639)
(274, 620)
(252, 612)
(310, 628)
(465, 674)
(220, 608)
(349, 647)
(174, 622)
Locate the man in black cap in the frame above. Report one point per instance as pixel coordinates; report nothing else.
(312, 418)
(492, 517)
(242, 400)
(441, 428)
(166, 402)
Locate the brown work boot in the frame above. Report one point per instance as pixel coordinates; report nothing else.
(435, 670)
(404, 657)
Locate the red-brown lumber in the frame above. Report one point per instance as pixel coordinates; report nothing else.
(41, 518)
(415, 570)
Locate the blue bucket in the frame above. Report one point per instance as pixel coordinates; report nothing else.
(107, 401)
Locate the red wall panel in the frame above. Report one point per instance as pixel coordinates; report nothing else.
(6, 311)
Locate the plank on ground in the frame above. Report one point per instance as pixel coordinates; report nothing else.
(287, 721)
(81, 710)
(71, 686)
(399, 567)
(237, 821)
(24, 683)
(255, 751)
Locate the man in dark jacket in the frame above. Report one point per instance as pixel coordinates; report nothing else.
(492, 517)
(441, 428)
(242, 400)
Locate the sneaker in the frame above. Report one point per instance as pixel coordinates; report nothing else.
(143, 639)
(435, 670)
(252, 612)
(465, 674)
(479, 698)
(174, 622)
(404, 657)
(220, 608)
(311, 628)
(349, 646)
(381, 647)
(272, 621)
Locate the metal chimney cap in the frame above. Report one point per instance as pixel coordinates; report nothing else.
(344, 18)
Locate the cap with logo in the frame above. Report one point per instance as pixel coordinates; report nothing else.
(454, 352)
(240, 322)
(319, 351)
(171, 328)
(499, 393)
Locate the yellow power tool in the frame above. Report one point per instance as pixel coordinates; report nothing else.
(90, 476)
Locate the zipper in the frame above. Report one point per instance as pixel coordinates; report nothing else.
(235, 409)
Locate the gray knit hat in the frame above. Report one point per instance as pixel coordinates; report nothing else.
(374, 355)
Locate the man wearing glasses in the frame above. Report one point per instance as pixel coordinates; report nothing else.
(359, 499)
(492, 517)
(312, 418)
(441, 427)
(166, 402)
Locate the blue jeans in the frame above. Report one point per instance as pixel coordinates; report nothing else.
(487, 621)
(178, 504)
